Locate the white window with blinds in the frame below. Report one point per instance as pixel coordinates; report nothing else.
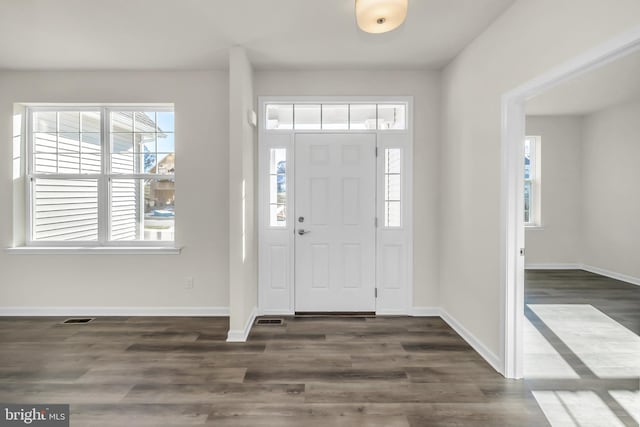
(101, 176)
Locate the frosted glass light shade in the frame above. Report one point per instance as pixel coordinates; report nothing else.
(380, 16)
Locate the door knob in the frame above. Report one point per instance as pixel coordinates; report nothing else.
(303, 232)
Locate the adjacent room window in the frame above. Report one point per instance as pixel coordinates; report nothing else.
(532, 181)
(392, 187)
(101, 175)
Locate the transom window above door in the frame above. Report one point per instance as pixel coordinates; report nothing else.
(336, 116)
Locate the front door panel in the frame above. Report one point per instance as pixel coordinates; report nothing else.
(335, 222)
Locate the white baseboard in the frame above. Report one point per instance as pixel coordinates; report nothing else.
(553, 266)
(392, 312)
(276, 312)
(242, 335)
(477, 345)
(426, 312)
(612, 274)
(115, 311)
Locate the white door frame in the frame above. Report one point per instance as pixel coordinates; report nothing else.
(512, 191)
(279, 299)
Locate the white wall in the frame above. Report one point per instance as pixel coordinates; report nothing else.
(243, 255)
(424, 87)
(559, 240)
(528, 39)
(201, 120)
(611, 165)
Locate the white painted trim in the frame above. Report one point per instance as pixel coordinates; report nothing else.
(242, 335)
(491, 358)
(116, 311)
(612, 274)
(102, 178)
(93, 250)
(512, 220)
(393, 312)
(426, 312)
(553, 266)
(275, 312)
(331, 99)
(264, 143)
(512, 238)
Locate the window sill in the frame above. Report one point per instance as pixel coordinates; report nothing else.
(94, 250)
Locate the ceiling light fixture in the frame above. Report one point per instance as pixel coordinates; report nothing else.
(380, 16)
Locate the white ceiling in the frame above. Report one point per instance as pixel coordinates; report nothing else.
(195, 34)
(612, 84)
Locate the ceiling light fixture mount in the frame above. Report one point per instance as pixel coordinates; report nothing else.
(380, 16)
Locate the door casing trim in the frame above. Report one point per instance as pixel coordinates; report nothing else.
(512, 188)
(287, 138)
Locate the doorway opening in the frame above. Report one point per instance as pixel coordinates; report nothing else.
(513, 187)
(581, 334)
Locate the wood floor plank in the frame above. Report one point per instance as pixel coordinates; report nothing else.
(139, 415)
(372, 392)
(62, 393)
(310, 421)
(307, 374)
(200, 347)
(162, 375)
(216, 392)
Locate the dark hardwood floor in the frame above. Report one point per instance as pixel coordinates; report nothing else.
(384, 371)
(618, 300)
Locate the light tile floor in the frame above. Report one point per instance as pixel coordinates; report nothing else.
(582, 365)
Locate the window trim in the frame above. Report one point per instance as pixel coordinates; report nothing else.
(287, 183)
(329, 100)
(95, 250)
(535, 202)
(385, 176)
(102, 244)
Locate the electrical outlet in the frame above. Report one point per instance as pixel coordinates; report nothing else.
(188, 282)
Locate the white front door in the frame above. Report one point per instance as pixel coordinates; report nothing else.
(335, 222)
